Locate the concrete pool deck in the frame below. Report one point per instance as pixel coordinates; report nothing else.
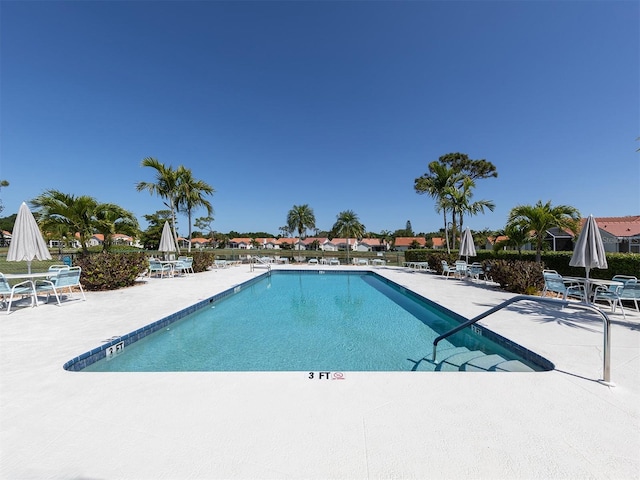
(563, 423)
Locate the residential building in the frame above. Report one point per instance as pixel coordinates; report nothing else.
(405, 243)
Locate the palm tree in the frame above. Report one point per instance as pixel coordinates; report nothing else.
(516, 237)
(191, 194)
(438, 184)
(300, 218)
(461, 203)
(74, 214)
(386, 238)
(539, 218)
(111, 219)
(348, 226)
(166, 187)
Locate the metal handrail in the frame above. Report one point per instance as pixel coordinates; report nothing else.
(258, 260)
(606, 367)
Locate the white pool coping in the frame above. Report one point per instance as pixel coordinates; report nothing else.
(56, 424)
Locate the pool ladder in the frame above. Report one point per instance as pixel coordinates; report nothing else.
(258, 260)
(606, 367)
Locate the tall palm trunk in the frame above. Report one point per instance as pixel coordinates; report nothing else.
(446, 232)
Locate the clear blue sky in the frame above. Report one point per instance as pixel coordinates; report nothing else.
(339, 105)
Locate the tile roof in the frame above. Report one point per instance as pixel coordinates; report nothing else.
(338, 241)
(200, 240)
(618, 226)
(371, 241)
(407, 241)
(240, 240)
(438, 242)
(499, 238)
(282, 240)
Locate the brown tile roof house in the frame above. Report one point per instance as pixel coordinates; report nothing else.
(619, 234)
(404, 243)
(438, 242)
(200, 242)
(238, 242)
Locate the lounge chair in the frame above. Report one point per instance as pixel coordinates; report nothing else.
(64, 279)
(555, 284)
(334, 261)
(21, 289)
(312, 261)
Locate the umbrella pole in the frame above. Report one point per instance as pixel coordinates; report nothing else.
(587, 286)
(28, 266)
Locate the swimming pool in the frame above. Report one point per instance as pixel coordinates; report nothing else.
(309, 321)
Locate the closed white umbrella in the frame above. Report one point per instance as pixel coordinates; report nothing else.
(467, 248)
(27, 242)
(589, 250)
(166, 240)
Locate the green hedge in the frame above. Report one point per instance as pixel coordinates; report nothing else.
(619, 263)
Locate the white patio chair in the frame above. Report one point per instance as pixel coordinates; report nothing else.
(65, 279)
(21, 289)
(184, 265)
(611, 295)
(631, 289)
(555, 284)
(476, 270)
(461, 269)
(158, 268)
(448, 270)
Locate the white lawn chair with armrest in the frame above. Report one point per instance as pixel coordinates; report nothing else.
(611, 295)
(448, 270)
(65, 279)
(554, 283)
(183, 265)
(476, 270)
(158, 268)
(461, 268)
(21, 289)
(631, 289)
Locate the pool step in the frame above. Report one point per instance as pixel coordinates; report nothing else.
(463, 359)
(513, 366)
(458, 361)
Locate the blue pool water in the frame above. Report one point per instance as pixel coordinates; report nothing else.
(304, 321)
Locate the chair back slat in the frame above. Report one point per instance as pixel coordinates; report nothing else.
(67, 278)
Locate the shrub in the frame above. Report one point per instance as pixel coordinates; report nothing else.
(202, 260)
(517, 276)
(110, 271)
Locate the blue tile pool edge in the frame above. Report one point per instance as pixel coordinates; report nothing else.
(82, 361)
